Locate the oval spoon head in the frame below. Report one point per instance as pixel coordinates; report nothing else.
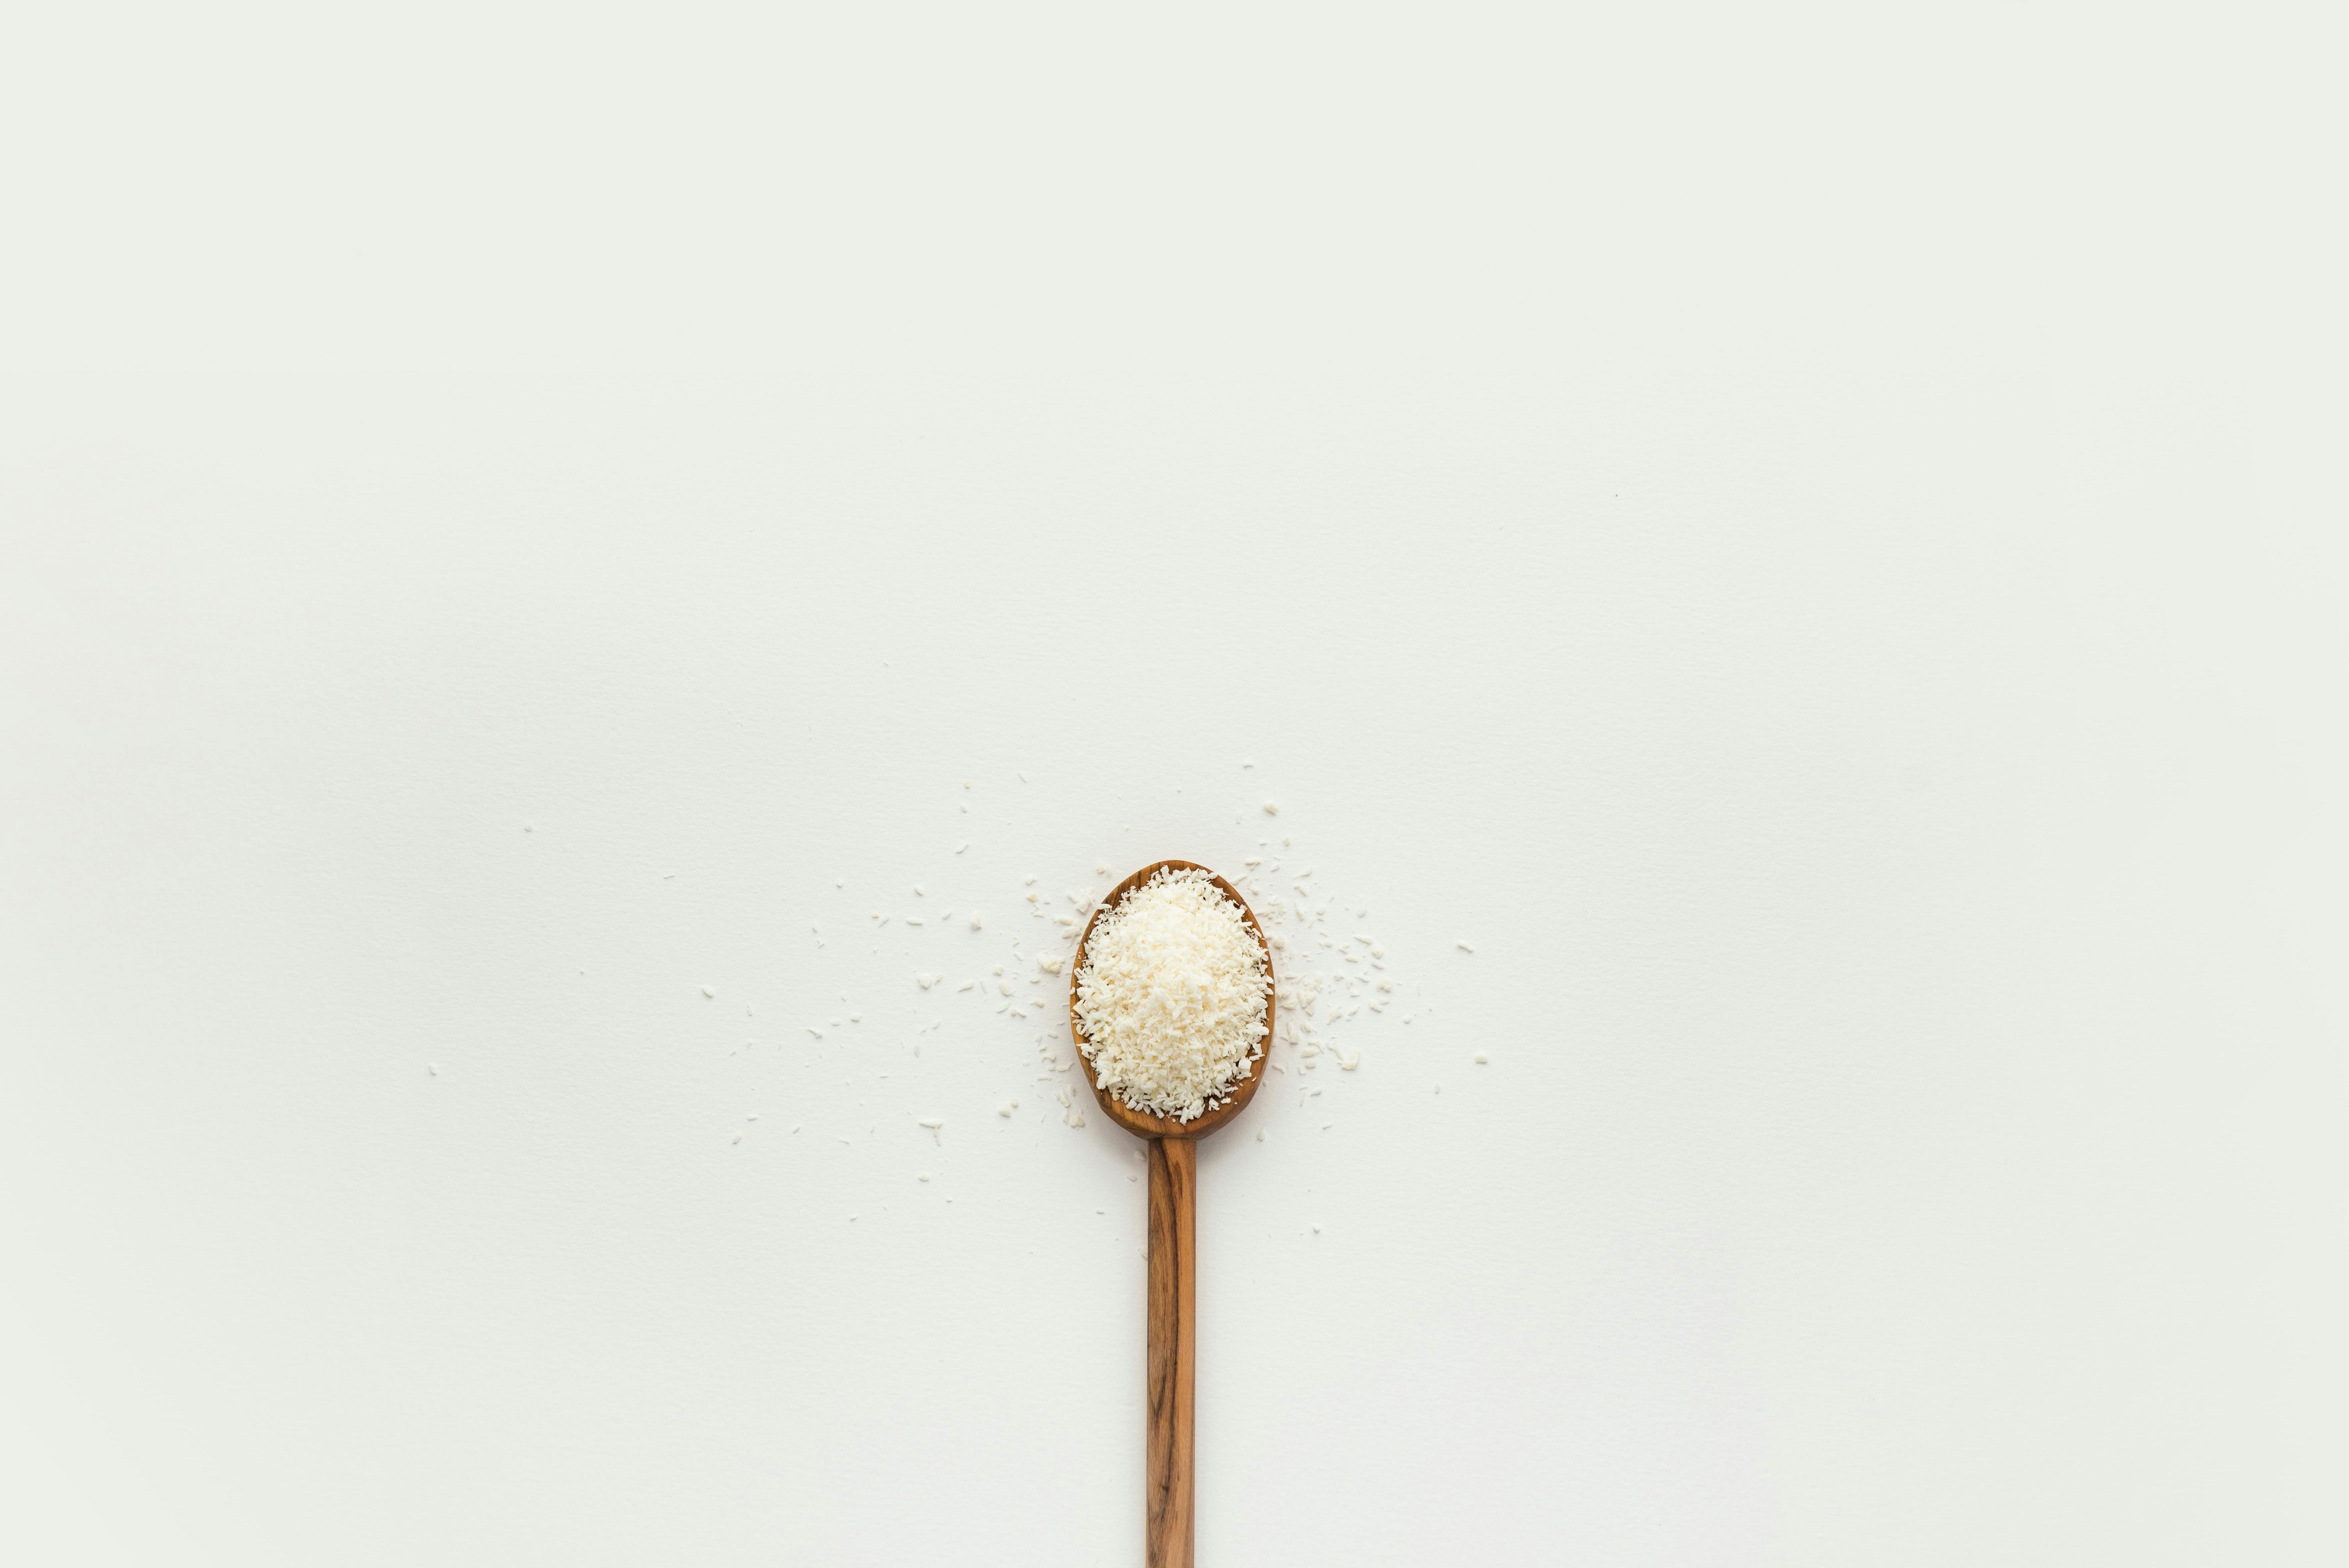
(1140, 1122)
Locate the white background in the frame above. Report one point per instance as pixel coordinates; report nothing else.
(1814, 540)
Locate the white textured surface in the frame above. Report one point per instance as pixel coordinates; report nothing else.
(1815, 548)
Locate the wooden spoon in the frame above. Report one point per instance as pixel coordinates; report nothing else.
(1173, 1339)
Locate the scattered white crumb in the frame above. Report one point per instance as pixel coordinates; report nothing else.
(965, 984)
(1465, 947)
(1480, 1058)
(974, 923)
(796, 1127)
(913, 920)
(1317, 1230)
(432, 1067)
(812, 1029)
(1101, 868)
(1248, 764)
(961, 847)
(1272, 808)
(856, 1018)
(707, 992)
(918, 890)
(738, 1137)
(1259, 1138)
(922, 1176)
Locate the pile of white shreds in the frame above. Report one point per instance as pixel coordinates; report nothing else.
(1171, 997)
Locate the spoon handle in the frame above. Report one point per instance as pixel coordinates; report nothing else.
(1172, 1352)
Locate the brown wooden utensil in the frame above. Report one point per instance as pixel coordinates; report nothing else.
(1173, 1340)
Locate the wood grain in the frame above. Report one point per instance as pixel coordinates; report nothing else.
(1170, 1359)
(1170, 1354)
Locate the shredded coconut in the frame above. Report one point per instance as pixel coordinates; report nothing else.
(1171, 996)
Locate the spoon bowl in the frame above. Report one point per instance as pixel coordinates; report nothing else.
(1141, 1123)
